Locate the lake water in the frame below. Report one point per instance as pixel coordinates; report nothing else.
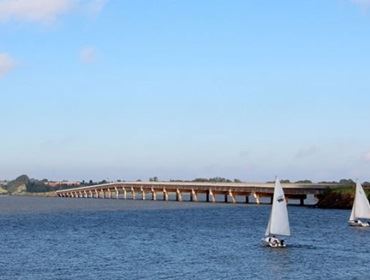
(55, 238)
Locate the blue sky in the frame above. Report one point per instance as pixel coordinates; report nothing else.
(96, 89)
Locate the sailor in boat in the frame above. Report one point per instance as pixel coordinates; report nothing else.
(273, 241)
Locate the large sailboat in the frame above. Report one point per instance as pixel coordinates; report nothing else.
(360, 208)
(278, 224)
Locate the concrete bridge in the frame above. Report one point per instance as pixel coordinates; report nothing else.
(194, 191)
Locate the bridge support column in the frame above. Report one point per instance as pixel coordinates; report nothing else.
(257, 198)
(85, 194)
(212, 196)
(103, 196)
(247, 199)
(233, 200)
(301, 201)
(154, 194)
(96, 193)
(178, 195)
(193, 195)
(80, 195)
(165, 195)
(133, 193)
(142, 193)
(109, 193)
(124, 193)
(117, 193)
(91, 193)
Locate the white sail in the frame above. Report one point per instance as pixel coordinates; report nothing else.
(361, 206)
(279, 221)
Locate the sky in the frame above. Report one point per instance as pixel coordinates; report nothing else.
(118, 89)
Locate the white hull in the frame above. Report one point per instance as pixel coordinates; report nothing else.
(358, 223)
(274, 242)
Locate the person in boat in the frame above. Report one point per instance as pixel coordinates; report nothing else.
(273, 240)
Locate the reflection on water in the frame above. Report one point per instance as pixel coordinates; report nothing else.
(53, 238)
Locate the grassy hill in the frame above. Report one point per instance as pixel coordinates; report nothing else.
(23, 184)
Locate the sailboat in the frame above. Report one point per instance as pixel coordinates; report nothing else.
(278, 224)
(360, 208)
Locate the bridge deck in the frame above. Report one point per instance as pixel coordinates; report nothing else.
(229, 190)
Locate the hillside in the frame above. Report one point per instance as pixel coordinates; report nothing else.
(23, 184)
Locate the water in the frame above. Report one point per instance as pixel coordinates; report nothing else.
(54, 238)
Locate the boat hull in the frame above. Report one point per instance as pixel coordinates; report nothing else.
(358, 223)
(274, 242)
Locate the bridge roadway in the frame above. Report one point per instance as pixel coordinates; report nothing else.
(193, 191)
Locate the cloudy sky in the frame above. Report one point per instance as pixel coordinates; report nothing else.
(99, 89)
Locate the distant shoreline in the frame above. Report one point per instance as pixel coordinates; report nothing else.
(43, 194)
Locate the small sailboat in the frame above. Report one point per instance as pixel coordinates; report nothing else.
(279, 222)
(360, 208)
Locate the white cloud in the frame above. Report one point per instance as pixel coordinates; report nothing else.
(87, 54)
(365, 4)
(306, 152)
(7, 63)
(96, 6)
(45, 11)
(367, 156)
(34, 10)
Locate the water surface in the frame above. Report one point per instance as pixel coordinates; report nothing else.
(55, 238)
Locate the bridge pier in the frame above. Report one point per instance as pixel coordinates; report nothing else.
(212, 196)
(142, 193)
(178, 195)
(257, 198)
(165, 195)
(96, 193)
(233, 200)
(133, 195)
(154, 194)
(247, 199)
(124, 193)
(301, 201)
(117, 193)
(193, 195)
